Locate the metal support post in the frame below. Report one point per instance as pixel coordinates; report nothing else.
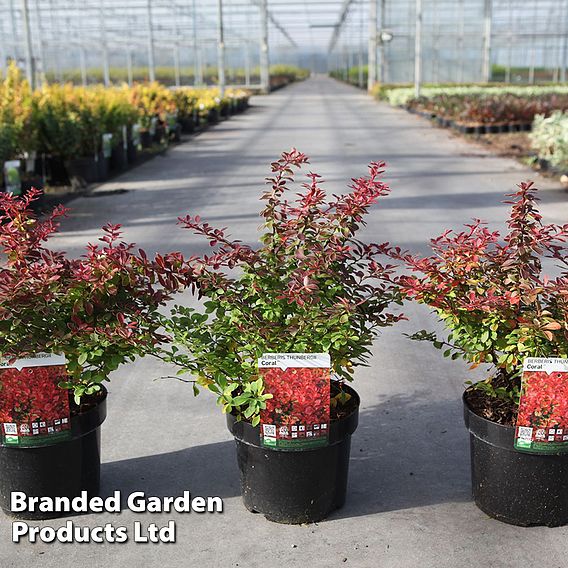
(264, 56)
(151, 60)
(220, 48)
(372, 55)
(418, 49)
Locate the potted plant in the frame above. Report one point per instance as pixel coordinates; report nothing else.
(186, 105)
(499, 307)
(310, 287)
(98, 312)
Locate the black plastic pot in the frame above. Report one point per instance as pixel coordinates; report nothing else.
(131, 153)
(298, 486)
(187, 125)
(145, 139)
(511, 486)
(213, 116)
(160, 134)
(175, 133)
(60, 470)
(103, 168)
(85, 170)
(118, 158)
(54, 169)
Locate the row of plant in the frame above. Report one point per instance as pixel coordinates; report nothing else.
(354, 74)
(357, 76)
(480, 109)
(311, 286)
(549, 138)
(402, 94)
(523, 74)
(280, 75)
(489, 109)
(66, 123)
(381, 90)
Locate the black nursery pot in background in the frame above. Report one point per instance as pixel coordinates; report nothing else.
(63, 469)
(145, 139)
(131, 152)
(85, 170)
(118, 158)
(294, 486)
(515, 487)
(187, 125)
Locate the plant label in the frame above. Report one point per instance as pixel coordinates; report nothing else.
(542, 422)
(297, 417)
(153, 125)
(12, 177)
(136, 135)
(107, 145)
(124, 132)
(34, 410)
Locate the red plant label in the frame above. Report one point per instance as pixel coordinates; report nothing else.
(34, 410)
(542, 422)
(297, 416)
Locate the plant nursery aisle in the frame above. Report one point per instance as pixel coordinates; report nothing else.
(408, 502)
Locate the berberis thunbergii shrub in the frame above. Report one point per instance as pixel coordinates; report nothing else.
(99, 310)
(495, 300)
(310, 286)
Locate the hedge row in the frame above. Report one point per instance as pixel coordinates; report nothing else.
(66, 121)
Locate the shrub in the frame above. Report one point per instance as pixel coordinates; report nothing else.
(100, 310)
(549, 137)
(311, 286)
(494, 299)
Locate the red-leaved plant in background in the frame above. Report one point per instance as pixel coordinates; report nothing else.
(311, 286)
(495, 300)
(99, 310)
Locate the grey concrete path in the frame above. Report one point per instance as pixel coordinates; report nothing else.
(409, 492)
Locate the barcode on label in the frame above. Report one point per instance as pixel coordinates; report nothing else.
(10, 429)
(525, 433)
(269, 430)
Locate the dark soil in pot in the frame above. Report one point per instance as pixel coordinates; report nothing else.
(63, 469)
(514, 487)
(296, 486)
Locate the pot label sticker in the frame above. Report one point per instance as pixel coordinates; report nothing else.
(297, 417)
(542, 422)
(107, 145)
(12, 178)
(34, 410)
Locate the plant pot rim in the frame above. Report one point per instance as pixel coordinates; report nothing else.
(472, 412)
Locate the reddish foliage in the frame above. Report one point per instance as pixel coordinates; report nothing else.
(99, 310)
(492, 294)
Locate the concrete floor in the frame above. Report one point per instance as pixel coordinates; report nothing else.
(409, 491)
